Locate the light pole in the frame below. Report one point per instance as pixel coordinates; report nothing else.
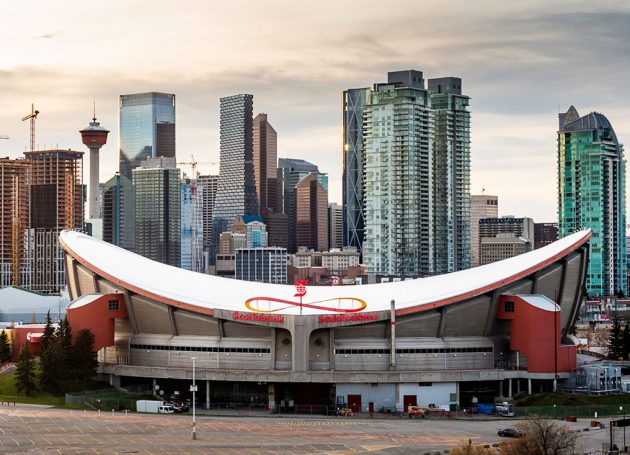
(193, 389)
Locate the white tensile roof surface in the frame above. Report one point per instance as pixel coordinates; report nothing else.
(210, 292)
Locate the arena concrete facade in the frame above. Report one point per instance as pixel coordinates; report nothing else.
(493, 330)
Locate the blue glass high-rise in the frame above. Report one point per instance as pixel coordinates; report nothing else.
(147, 128)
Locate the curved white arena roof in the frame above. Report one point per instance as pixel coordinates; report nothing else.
(203, 293)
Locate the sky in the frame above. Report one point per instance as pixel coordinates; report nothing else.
(521, 63)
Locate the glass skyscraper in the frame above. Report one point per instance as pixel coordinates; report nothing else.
(119, 208)
(191, 203)
(354, 102)
(147, 128)
(398, 187)
(591, 193)
(157, 218)
(236, 194)
(290, 172)
(451, 174)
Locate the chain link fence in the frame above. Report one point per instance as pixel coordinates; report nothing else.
(108, 399)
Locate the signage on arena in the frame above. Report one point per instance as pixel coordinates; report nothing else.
(257, 317)
(327, 318)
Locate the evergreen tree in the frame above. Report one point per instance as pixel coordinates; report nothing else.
(5, 347)
(25, 371)
(63, 351)
(615, 342)
(48, 378)
(85, 362)
(626, 341)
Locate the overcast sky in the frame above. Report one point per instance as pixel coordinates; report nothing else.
(520, 63)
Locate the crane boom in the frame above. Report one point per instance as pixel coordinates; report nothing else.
(32, 117)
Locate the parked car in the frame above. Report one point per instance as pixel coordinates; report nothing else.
(510, 433)
(166, 409)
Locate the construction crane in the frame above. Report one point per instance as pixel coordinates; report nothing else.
(32, 116)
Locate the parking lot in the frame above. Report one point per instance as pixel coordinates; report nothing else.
(25, 429)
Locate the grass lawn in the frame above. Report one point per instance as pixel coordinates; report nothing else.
(8, 392)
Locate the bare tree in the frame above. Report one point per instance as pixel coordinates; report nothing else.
(542, 437)
(467, 448)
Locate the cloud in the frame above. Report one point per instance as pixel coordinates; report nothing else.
(520, 62)
(48, 35)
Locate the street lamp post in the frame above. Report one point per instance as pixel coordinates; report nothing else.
(193, 389)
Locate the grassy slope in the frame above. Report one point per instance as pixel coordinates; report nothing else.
(8, 392)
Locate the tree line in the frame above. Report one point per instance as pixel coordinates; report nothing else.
(60, 359)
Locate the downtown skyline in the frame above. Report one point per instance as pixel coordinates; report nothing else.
(521, 65)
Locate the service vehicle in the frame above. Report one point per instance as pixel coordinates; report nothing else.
(415, 412)
(166, 409)
(148, 406)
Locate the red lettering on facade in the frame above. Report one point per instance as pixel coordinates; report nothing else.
(328, 318)
(277, 318)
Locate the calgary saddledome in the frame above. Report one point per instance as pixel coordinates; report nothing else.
(489, 331)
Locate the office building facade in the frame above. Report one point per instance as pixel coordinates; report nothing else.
(119, 212)
(311, 214)
(290, 172)
(191, 202)
(236, 193)
(503, 246)
(147, 128)
(545, 233)
(481, 206)
(265, 143)
(520, 227)
(158, 207)
(451, 174)
(261, 264)
(592, 193)
(335, 225)
(398, 186)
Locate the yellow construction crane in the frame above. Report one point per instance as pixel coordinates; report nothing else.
(32, 117)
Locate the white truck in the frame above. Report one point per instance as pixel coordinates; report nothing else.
(152, 406)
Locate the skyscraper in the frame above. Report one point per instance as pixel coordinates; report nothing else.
(158, 210)
(147, 128)
(56, 203)
(236, 194)
(481, 206)
(210, 184)
(335, 225)
(311, 214)
(290, 172)
(265, 142)
(592, 193)
(13, 219)
(119, 212)
(520, 227)
(398, 186)
(191, 203)
(354, 102)
(451, 174)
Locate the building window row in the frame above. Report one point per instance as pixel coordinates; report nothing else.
(152, 347)
(414, 351)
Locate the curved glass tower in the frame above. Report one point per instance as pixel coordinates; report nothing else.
(591, 193)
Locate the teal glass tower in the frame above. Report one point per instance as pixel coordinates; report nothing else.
(591, 193)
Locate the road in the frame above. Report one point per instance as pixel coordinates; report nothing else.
(28, 429)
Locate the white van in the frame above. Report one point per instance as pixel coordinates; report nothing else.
(166, 409)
